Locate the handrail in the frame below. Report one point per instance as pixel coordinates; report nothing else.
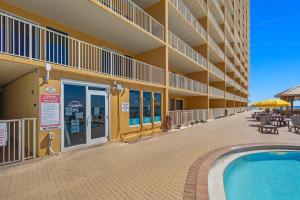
(28, 40)
(186, 50)
(216, 70)
(187, 14)
(136, 15)
(181, 82)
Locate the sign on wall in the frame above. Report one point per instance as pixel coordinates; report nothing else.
(3, 134)
(50, 111)
(125, 107)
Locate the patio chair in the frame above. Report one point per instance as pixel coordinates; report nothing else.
(295, 124)
(266, 125)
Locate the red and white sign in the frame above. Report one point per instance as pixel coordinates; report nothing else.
(3, 134)
(50, 111)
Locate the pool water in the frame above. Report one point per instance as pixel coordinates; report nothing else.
(264, 176)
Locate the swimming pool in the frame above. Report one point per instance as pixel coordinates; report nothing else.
(263, 176)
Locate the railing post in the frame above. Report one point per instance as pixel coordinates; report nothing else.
(111, 64)
(79, 55)
(30, 41)
(34, 138)
(23, 139)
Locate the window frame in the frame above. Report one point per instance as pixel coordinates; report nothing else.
(151, 107)
(138, 124)
(155, 93)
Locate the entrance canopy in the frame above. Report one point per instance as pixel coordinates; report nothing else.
(290, 95)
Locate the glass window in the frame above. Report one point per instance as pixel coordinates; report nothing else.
(157, 107)
(74, 114)
(179, 104)
(147, 107)
(134, 107)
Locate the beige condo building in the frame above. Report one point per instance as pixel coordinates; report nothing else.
(82, 72)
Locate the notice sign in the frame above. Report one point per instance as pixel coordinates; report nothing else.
(50, 104)
(125, 107)
(3, 134)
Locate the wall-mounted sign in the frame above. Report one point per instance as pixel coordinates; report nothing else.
(125, 107)
(50, 113)
(3, 134)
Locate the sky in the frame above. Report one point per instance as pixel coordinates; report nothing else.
(275, 47)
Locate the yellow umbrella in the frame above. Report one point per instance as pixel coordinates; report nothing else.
(273, 103)
(254, 104)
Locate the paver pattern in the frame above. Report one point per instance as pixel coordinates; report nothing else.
(155, 168)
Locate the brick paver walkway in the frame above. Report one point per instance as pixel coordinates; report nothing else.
(150, 169)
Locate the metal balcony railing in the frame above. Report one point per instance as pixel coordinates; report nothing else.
(217, 112)
(136, 15)
(187, 14)
(216, 92)
(217, 4)
(186, 117)
(216, 25)
(230, 111)
(215, 47)
(181, 82)
(216, 70)
(186, 50)
(27, 40)
(229, 80)
(230, 96)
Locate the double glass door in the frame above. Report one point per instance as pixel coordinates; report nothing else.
(85, 115)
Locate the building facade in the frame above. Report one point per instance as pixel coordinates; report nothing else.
(93, 71)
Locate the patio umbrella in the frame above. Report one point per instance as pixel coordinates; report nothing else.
(273, 103)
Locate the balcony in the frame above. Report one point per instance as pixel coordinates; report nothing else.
(183, 57)
(217, 11)
(230, 96)
(183, 83)
(30, 41)
(215, 93)
(217, 32)
(186, 117)
(132, 28)
(194, 33)
(230, 81)
(217, 53)
(216, 72)
(230, 51)
(197, 7)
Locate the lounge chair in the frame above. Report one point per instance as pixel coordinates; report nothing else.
(266, 125)
(295, 124)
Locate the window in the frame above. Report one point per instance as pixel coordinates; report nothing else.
(179, 104)
(134, 107)
(157, 107)
(147, 107)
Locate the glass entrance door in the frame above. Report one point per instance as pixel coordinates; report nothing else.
(97, 116)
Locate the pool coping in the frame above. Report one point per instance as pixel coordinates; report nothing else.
(196, 184)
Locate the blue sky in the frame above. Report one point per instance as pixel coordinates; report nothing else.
(275, 47)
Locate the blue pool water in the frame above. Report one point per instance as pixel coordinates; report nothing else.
(264, 176)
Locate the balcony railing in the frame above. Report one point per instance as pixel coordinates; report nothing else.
(136, 15)
(216, 70)
(186, 50)
(237, 98)
(187, 14)
(181, 82)
(229, 80)
(27, 40)
(186, 117)
(216, 92)
(217, 112)
(230, 111)
(203, 4)
(215, 47)
(230, 96)
(219, 8)
(216, 25)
